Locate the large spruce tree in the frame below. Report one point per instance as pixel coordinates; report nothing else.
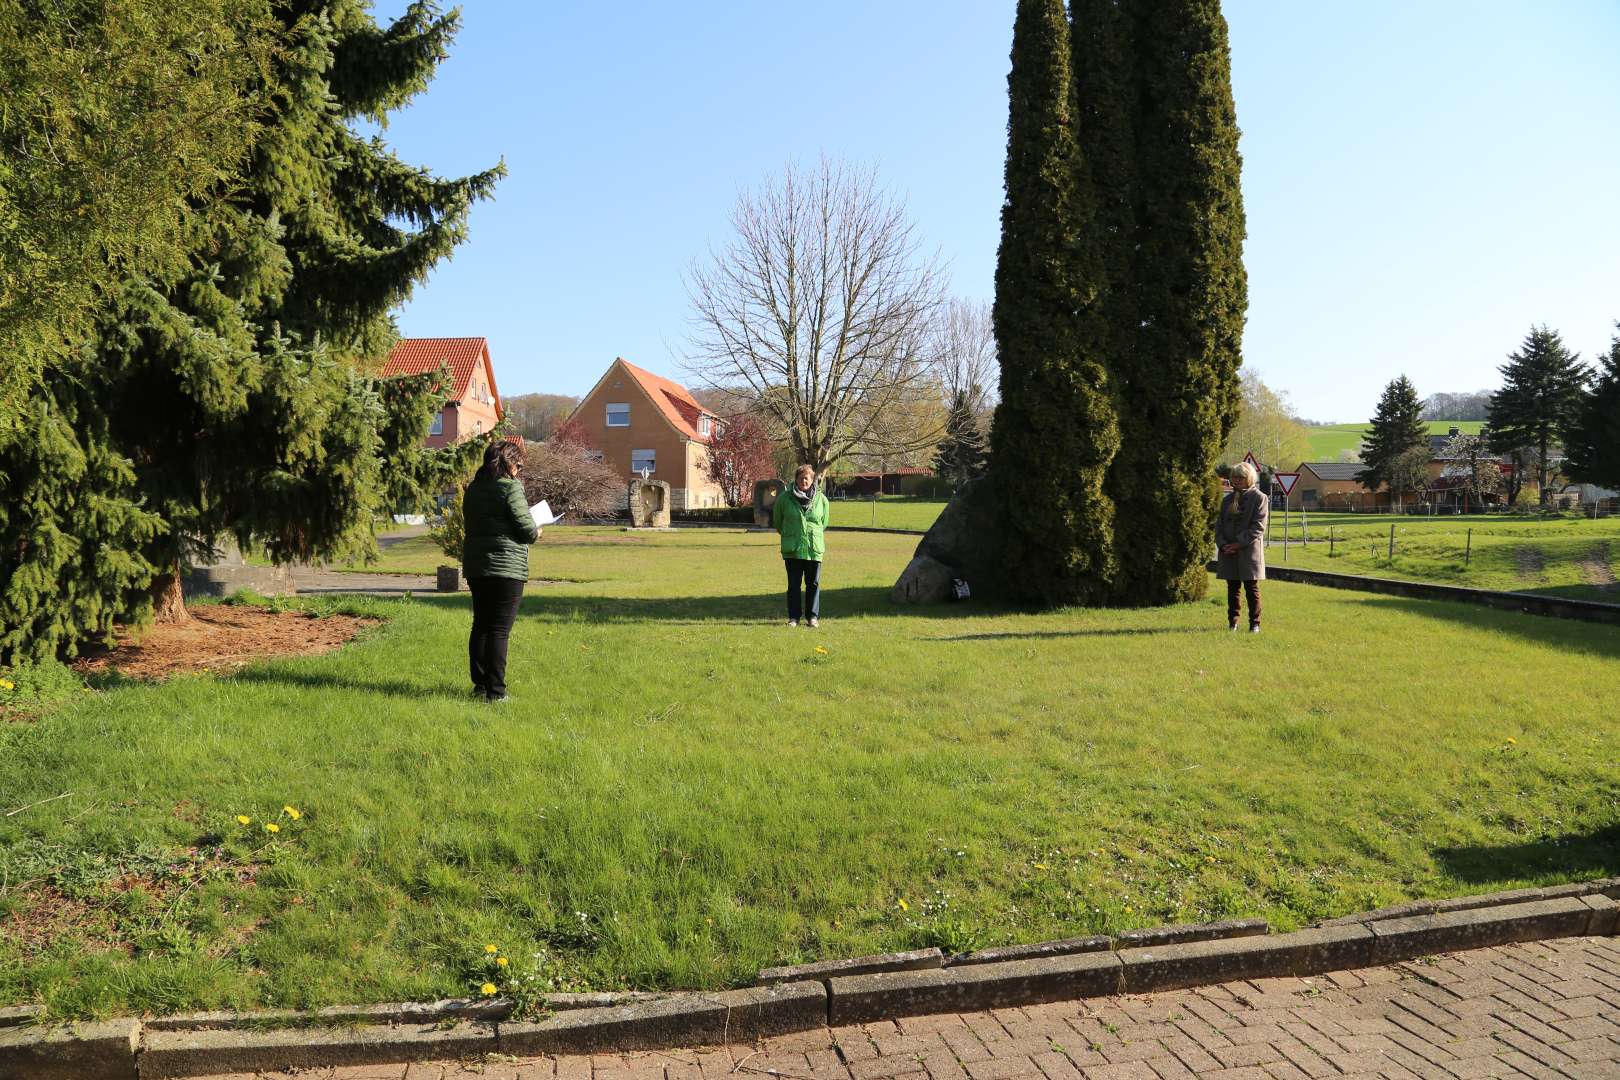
(1593, 443)
(1055, 430)
(1159, 139)
(1543, 385)
(1397, 433)
(233, 396)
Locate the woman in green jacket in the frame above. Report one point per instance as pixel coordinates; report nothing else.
(495, 559)
(800, 515)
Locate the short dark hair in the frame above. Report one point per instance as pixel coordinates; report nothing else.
(500, 457)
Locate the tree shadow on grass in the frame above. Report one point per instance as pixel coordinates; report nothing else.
(318, 680)
(747, 608)
(1599, 639)
(1124, 631)
(1572, 856)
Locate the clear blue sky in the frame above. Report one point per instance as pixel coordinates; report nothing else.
(1423, 179)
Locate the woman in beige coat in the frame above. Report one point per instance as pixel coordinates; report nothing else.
(1240, 543)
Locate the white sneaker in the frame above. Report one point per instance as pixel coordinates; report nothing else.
(793, 622)
(814, 622)
(1255, 628)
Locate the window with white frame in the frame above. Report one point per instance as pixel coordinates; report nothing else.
(618, 415)
(705, 426)
(438, 423)
(643, 459)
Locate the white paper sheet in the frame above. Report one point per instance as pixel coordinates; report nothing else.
(541, 512)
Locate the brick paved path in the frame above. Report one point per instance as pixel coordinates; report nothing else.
(1547, 1009)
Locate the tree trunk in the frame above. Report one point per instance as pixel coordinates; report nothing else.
(1541, 472)
(168, 601)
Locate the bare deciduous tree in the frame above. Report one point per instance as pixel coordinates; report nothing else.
(964, 347)
(821, 306)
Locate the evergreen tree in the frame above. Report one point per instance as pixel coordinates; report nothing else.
(1055, 431)
(1593, 445)
(116, 120)
(1177, 291)
(1396, 434)
(961, 455)
(231, 397)
(1543, 385)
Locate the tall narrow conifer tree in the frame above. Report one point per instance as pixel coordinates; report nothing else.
(1162, 150)
(1055, 430)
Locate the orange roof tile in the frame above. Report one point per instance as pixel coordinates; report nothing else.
(461, 355)
(672, 400)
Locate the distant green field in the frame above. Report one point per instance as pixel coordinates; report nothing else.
(1329, 440)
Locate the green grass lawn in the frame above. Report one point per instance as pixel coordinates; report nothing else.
(1561, 556)
(684, 790)
(1328, 440)
(889, 512)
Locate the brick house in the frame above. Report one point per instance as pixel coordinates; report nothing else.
(641, 421)
(474, 406)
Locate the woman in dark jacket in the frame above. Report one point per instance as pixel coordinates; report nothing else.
(1240, 541)
(495, 559)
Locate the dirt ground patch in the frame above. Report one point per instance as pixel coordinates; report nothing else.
(1530, 563)
(1597, 569)
(223, 636)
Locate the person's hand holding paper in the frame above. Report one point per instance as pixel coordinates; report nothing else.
(541, 512)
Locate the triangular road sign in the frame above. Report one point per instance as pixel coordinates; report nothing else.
(1286, 480)
(1252, 460)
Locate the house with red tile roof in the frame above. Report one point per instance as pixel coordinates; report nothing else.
(474, 405)
(641, 422)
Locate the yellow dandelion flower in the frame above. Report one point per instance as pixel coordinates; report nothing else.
(1512, 741)
(271, 826)
(502, 961)
(7, 684)
(1040, 866)
(822, 649)
(492, 948)
(1127, 911)
(903, 906)
(243, 819)
(488, 989)
(292, 812)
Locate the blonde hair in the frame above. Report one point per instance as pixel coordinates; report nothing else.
(803, 470)
(1247, 470)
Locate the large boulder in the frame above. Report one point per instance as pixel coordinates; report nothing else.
(965, 542)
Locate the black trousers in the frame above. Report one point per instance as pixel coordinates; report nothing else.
(495, 604)
(1251, 591)
(809, 572)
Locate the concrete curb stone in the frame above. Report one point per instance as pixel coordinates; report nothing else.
(97, 1050)
(967, 988)
(1196, 963)
(1477, 928)
(1605, 918)
(918, 960)
(1173, 935)
(201, 1053)
(684, 1020)
(1003, 953)
(20, 1014)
